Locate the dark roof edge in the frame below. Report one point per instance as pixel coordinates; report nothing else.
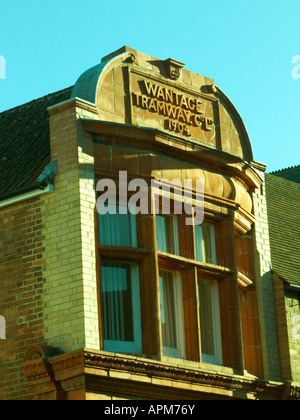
(288, 284)
(24, 190)
(293, 286)
(285, 169)
(38, 99)
(278, 178)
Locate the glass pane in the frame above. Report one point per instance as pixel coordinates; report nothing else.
(206, 229)
(172, 323)
(168, 308)
(172, 234)
(161, 234)
(206, 317)
(167, 234)
(117, 301)
(200, 256)
(118, 229)
(210, 321)
(204, 242)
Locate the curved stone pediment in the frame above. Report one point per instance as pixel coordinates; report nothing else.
(130, 87)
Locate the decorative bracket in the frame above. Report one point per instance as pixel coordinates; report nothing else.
(243, 280)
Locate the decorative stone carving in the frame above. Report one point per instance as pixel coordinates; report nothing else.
(181, 374)
(212, 88)
(40, 351)
(34, 369)
(132, 58)
(37, 371)
(173, 68)
(76, 370)
(35, 352)
(67, 363)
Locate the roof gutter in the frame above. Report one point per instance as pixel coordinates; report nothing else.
(26, 196)
(43, 185)
(286, 283)
(295, 287)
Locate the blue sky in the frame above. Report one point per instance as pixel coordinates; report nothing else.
(246, 46)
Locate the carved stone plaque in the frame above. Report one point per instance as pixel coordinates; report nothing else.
(159, 105)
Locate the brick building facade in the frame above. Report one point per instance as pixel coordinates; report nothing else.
(140, 306)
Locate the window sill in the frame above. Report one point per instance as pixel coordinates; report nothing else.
(169, 362)
(177, 262)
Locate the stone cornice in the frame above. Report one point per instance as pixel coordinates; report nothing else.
(193, 152)
(124, 372)
(250, 385)
(178, 373)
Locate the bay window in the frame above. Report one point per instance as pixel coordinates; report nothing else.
(166, 306)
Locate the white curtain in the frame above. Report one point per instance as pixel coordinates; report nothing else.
(206, 317)
(210, 321)
(172, 321)
(117, 302)
(168, 313)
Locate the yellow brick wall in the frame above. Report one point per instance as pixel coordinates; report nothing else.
(70, 290)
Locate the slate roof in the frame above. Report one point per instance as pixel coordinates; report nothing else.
(292, 173)
(283, 200)
(25, 143)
